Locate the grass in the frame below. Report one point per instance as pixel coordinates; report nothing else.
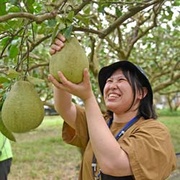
(42, 154)
(173, 124)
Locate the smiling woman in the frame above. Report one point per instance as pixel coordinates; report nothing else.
(130, 142)
(117, 92)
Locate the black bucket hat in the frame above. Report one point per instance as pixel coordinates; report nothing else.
(107, 71)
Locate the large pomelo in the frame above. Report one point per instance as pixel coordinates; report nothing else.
(22, 110)
(71, 61)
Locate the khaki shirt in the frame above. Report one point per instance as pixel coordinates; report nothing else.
(147, 144)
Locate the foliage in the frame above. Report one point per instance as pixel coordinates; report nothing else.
(108, 30)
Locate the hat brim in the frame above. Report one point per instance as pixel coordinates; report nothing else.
(107, 71)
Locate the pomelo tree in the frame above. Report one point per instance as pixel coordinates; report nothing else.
(145, 32)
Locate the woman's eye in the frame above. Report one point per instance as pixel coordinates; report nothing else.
(116, 80)
(121, 79)
(108, 80)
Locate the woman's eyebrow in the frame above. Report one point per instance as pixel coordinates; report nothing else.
(117, 76)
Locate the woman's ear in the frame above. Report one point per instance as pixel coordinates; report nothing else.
(145, 91)
(142, 93)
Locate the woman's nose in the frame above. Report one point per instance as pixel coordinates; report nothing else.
(113, 85)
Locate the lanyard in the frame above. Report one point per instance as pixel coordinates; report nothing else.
(125, 128)
(119, 134)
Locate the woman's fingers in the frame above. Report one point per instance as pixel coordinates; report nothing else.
(86, 77)
(82, 90)
(62, 78)
(58, 44)
(63, 84)
(53, 80)
(61, 37)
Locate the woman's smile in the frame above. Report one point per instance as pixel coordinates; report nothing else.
(113, 96)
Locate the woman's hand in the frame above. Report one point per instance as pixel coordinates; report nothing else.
(58, 44)
(82, 90)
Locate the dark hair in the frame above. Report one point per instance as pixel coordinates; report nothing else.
(146, 108)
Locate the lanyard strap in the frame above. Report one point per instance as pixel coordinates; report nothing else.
(126, 127)
(119, 134)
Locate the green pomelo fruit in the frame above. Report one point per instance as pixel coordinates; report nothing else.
(22, 110)
(5, 131)
(71, 61)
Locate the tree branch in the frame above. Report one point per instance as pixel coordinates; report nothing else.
(166, 83)
(88, 30)
(37, 18)
(37, 65)
(123, 18)
(84, 3)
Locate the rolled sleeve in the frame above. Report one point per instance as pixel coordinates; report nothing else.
(78, 136)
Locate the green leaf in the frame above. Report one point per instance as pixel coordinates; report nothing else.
(55, 32)
(170, 13)
(87, 9)
(101, 8)
(29, 5)
(5, 40)
(51, 22)
(176, 3)
(14, 2)
(3, 80)
(118, 12)
(70, 16)
(14, 9)
(13, 51)
(3, 8)
(67, 32)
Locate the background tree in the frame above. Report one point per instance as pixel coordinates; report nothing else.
(109, 31)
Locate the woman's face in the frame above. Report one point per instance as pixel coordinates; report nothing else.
(118, 94)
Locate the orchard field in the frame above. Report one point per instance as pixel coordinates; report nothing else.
(42, 154)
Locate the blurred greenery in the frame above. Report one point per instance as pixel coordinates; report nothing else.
(167, 112)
